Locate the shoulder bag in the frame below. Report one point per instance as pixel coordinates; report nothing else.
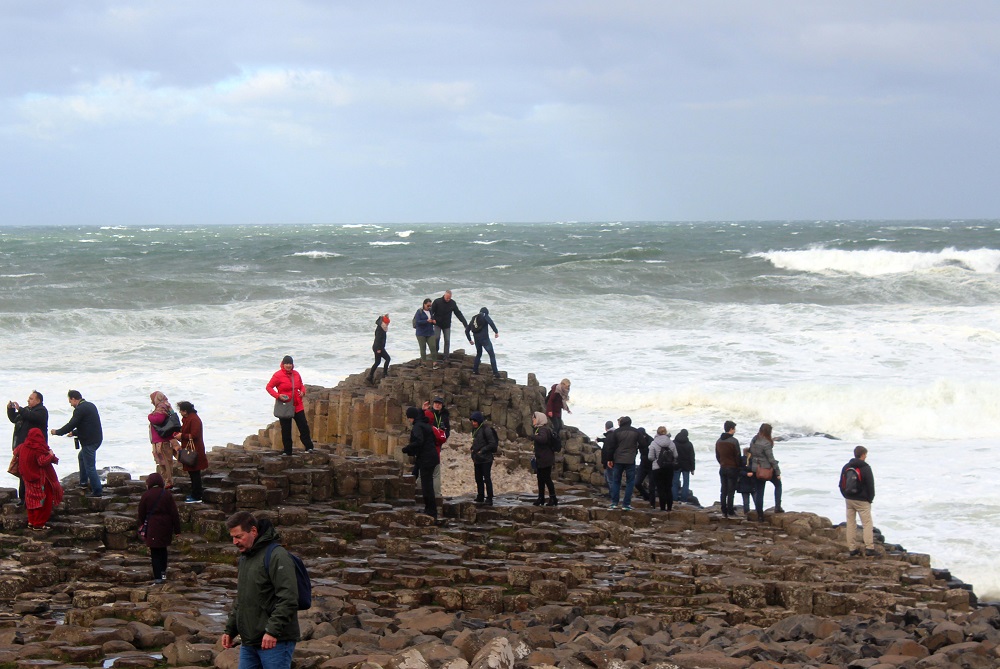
(188, 456)
(14, 469)
(286, 409)
(764, 473)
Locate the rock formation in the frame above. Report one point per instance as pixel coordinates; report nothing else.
(513, 585)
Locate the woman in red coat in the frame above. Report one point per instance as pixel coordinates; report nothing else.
(42, 490)
(286, 386)
(158, 510)
(191, 436)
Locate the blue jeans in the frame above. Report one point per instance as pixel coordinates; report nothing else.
(616, 483)
(682, 490)
(88, 467)
(484, 343)
(607, 477)
(279, 657)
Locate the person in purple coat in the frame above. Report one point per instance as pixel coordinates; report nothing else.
(158, 511)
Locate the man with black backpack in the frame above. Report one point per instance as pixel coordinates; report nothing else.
(479, 327)
(265, 612)
(484, 447)
(857, 485)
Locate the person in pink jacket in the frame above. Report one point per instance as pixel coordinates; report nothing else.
(163, 446)
(286, 385)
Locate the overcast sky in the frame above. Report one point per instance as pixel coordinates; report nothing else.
(307, 111)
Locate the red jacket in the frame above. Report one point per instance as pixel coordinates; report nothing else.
(281, 384)
(191, 431)
(34, 461)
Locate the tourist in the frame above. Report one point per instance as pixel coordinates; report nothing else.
(607, 464)
(378, 347)
(423, 322)
(163, 450)
(479, 327)
(85, 424)
(644, 468)
(744, 482)
(286, 386)
(727, 454)
(265, 610)
(484, 447)
(556, 402)
(442, 309)
(662, 467)
(158, 522)
(858, 489)
(765, 468)
(545, 459)
(424, 449)
(42, 491)
(192, 436)
(684, 468)
(438, 416)
(623, 447)
(34, 414)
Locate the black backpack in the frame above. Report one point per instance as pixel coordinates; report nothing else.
(301, 576)
(555, 443)
(850, 482)
(665, 458)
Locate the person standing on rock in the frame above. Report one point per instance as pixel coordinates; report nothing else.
(545, 459)
(265, 612)
(192, 436)
(158, 511)
(484, 447)
(624, 446)
(857, 485)
(424, 449)
(423, 322)
(607, 464)
(85, 424)
(24, 418)
(727, 453)
(761, 459)
(43, 491)
(479, 327)
(286, 385)
(644, 468)
(684, 467)
(556, 401)
(378, 347)
(662, 469)
(442, 310)
(163, 449)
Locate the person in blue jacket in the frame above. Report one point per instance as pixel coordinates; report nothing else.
(423, 323)
(479, 327)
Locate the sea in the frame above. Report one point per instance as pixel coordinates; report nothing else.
(838, 333)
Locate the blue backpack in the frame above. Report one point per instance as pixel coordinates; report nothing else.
(301, 576)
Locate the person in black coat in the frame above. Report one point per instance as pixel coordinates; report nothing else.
(545, 459)
(24, 418)
(442, 309)
(423, 448)
(859, 501)
(745, 484)
(484, 447)
(378, 347)
(683, 468)
(158, 511)
(85, 424)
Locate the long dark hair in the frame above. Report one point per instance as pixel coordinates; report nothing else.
(765, 432)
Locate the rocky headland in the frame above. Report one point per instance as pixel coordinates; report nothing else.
(574, 586)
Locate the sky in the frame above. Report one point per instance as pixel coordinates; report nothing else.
(312, 112)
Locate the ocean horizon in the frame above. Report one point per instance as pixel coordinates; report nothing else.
(881, 333)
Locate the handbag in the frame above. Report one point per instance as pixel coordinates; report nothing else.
(188, 456)
(171, 425)
(285, 409)
(14, 469)
(764, 473)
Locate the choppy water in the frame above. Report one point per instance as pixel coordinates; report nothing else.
(882, 333)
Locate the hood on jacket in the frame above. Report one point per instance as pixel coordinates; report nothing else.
(154, 480)
(681, 436)
(484, 311)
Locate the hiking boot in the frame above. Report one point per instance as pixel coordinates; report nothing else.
(854, 553)
(870, 552)
(479, 500)
(538, 502)
(489, 501)
(552, 501)
(778, 509)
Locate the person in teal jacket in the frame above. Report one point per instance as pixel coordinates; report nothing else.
(265, 613)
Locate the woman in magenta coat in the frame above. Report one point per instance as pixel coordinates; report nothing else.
(163, 450)
(286, 385)
(159, 511)
(42, 491)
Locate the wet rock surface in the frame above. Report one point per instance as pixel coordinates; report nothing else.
(513, 585)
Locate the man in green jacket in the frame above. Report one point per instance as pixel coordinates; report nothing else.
(265, 613)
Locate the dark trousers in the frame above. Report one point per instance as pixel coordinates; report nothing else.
(758, 494)
(427, 489)
(158, 557)
(544, 476)
(484, 479)
(661, 485)
(642, 472)
(286, 431)
(484, 343)
(379, 357)
(196, 489)
(728, 476)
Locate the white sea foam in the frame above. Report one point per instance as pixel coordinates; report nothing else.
(317, 254)
(382, 243)
(878, 262)
(485, 243)
(404, 233)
